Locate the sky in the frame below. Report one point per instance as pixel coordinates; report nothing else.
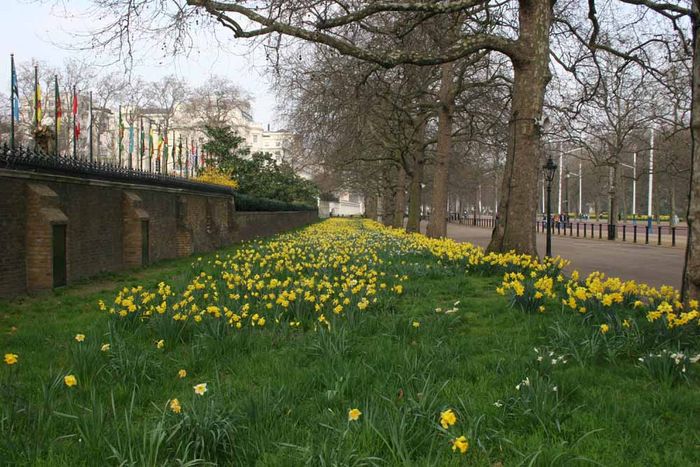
(36, 30)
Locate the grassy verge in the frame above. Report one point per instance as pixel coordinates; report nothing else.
(525, 388)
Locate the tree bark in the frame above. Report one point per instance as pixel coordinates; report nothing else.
(388, 198)
(691, 269)
(399, 197)
(515, 227)
(371, 206)
(415, 190)
(437, 225)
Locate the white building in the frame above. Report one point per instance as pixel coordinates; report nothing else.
(346, 205)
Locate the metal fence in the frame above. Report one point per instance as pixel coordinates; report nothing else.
(22, 158)
(634, 233)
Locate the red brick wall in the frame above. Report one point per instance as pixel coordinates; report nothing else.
(179, 222)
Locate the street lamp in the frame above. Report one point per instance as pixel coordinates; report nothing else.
(549, 169)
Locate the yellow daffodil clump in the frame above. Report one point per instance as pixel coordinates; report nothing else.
(310, 278)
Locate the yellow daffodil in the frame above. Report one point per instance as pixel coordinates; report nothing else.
(354, 415)
(11, 358)
(70, 380)
(80, 337)
(200, 389)
(160, 344)
(460, 444)
(447, 418)
(175, 406)
(182, 373)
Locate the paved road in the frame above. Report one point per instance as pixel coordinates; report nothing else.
(654, 265)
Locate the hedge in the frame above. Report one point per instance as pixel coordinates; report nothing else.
(251, 203)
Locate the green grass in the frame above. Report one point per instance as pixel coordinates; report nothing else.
(280, 397)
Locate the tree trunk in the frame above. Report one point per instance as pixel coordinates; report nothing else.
(415, 196)
(388, 198)
(437, 225)
(371, 206)
(515, 226)
(415, 189)
(399, 197)
(691, 269)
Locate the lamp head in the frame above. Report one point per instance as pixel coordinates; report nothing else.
(549, 169)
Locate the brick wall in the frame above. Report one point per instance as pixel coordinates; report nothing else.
(103, 226)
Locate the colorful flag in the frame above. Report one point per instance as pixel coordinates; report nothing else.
(37, 97)
(15, 92)
(76, 124)
(59, 110)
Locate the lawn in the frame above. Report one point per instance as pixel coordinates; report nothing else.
(293, 334)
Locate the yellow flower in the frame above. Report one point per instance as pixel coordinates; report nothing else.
(416, 324)
(181, 374)
(160, 344)
(353, 415)
(626, 324)
(11, 358)
(175, 406)
(604, 328)
(70, 380)
(460, 444)
(447, 418)
(200, 389)
(105, 347)
(80, 337)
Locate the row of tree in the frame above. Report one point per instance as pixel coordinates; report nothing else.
(441, 75)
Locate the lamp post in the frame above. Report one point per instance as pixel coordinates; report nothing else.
(549, 169)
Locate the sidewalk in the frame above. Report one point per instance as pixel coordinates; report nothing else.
(651, 264)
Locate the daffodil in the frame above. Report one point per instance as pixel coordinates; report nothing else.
(200, 389)
(460, 444)
(70, 380)
(175, 406)
(354, 415)
(11, 358)
(80, 337)
(182, 373)
(447, 418)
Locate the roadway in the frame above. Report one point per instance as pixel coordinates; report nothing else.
(651, 264)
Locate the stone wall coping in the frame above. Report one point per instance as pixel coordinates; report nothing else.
(46, 177)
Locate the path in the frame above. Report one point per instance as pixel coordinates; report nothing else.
(654, 265)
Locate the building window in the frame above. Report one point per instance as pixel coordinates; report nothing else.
(255, 138)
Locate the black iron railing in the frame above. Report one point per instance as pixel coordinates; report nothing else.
(22, 158)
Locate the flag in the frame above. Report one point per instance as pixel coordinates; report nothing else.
(76, 124)
(131, 138)
(150, 143)
(37, 97)
(15, 92)
(59, 111)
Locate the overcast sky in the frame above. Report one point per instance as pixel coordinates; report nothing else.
(33, 30)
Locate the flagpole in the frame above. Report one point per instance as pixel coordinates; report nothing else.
(75, 118)
(12, 100)
(36, 102)
(119, 135)
(56, 99)
(90, 129)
